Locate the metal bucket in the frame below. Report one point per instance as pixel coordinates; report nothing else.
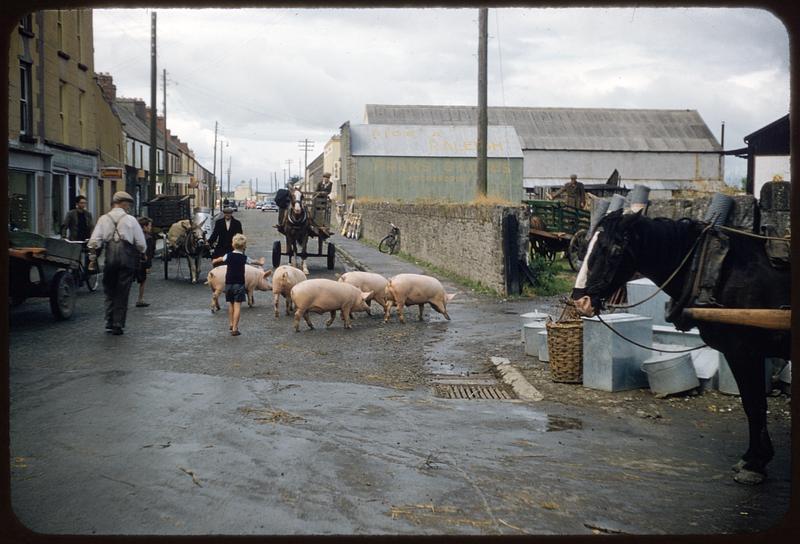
(544, 355)
(719, 209)
(667, 375)
(618, 202)
(531, 334)
(532, 317)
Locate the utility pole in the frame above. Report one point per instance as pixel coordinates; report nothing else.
(289, 164)
(153, 85)
(483, 116)
(214, 172)
(221, 170)
(306, 146)
(229, 176)
(166, 154)
(284, 176)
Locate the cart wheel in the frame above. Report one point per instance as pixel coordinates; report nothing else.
(62, 295)
(576, 251)
(331, 256)
(276, 254)
(165, 258)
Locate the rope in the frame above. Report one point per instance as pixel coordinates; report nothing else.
(669, 279)
(754, 235)
(612, 329)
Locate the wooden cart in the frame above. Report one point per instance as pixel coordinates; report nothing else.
(318, 208)
(165, 211)
(43, 267)
(556, 227)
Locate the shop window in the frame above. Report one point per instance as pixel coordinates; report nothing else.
(20, 200)
(56, 203)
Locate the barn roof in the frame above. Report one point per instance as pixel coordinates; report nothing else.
(594, 129)
(431, 141)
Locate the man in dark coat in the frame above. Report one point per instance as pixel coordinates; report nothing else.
(225, 229)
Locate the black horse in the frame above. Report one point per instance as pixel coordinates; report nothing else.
(656, 248)
(296, 227)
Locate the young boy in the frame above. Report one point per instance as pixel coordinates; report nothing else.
(235, 292)
(147, 261)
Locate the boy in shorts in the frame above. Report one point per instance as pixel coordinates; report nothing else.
(235, 292)
(147, 259)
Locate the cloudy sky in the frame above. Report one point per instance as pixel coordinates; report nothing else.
(275, 77)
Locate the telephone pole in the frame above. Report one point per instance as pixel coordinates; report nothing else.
(483, 117)
(289, 164)
(153, 85)
(166, 154)
(306, 146)
(229, 176)
(214, 172)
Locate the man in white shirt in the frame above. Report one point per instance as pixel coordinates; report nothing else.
(116, 225)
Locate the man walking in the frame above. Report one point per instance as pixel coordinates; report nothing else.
(124, 242)
(225, 229)
(78, 222)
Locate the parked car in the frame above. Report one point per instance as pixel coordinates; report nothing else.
(269, 206)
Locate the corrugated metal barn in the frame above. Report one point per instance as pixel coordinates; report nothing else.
(410, 162)
(663, 149)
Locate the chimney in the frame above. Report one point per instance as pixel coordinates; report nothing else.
(141, 111)
(106, 82)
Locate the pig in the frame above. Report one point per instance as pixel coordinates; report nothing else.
(254, 278)
(368, 282)
(323, 295)
(408, 289)
(283, 279)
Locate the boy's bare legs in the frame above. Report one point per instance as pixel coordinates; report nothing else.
(236, 308)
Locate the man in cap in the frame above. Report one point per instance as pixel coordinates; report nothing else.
(283, 198)
(225, 228)
(574, 193)
(325, 185)
(125, 246)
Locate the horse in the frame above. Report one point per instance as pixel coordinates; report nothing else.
(188, 239)
(658, 248)
(296, 229)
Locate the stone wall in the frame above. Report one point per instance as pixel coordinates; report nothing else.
(466, 240)
(742, 215)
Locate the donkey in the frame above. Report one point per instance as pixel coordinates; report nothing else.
(657, 248)
(188, 239)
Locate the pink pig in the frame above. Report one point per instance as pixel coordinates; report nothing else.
(409, 289)
(322, 295)
(284, 278)
(254, 278)
(368, 282)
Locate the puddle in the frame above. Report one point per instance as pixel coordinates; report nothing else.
(562, 423)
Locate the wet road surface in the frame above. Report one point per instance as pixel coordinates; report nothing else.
(178, 428)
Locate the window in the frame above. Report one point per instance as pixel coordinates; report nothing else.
(25, 102)
(60, 26)
(130, 157)
(62, 109)
(20, 200)
(81, 122)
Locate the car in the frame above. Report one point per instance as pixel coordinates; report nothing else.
(259, 205)
(269, 206)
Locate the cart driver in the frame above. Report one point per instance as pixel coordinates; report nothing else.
(574, 193)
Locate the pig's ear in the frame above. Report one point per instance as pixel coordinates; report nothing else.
(450, 297)
(365, 296)
(268, 273)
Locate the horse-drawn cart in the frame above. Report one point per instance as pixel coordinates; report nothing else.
(555, 227)
(165, 211)
(318, 214)
(43, 267)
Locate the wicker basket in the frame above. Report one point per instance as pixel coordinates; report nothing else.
(565, 348)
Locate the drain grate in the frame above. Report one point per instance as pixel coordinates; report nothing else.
(473, 391)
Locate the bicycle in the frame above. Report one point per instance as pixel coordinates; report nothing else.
(82, 274)
(390, 242)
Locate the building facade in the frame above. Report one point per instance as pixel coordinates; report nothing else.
(54, 153)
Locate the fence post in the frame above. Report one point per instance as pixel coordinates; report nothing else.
(511, 253)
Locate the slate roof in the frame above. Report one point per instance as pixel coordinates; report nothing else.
(138, 129)
(574, 129)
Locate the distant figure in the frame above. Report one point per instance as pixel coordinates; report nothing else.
(78, 223)
(225, 229)
(574, 193)
(325, 185)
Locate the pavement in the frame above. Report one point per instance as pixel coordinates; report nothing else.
(285, 435)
